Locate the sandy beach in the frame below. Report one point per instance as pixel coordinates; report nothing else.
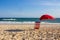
(27, 32)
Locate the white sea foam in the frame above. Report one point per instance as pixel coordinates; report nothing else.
(10, 22)
(25, 22)
(9, 19)
(49, 23)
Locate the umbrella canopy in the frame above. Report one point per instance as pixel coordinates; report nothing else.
(46, 17)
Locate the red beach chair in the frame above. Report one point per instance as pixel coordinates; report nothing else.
(37, 25)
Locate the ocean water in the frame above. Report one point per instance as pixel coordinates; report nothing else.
(57, 20)
(19, 19)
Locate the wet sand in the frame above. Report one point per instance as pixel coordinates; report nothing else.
(27, 32)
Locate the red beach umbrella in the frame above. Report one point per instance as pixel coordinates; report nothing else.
(46, 17)
(43, 17)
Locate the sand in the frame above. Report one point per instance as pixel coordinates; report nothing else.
(27, 32)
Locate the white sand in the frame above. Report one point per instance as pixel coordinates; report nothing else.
(46, 32)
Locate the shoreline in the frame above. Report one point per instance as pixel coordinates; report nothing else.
(27, 26)
(10, 22)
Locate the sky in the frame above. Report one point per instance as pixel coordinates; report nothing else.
(29, 8)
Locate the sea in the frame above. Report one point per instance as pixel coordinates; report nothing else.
(27, 20)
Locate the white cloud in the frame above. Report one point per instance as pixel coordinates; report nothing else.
(50, 4)
(55, 12)
(47, 3)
